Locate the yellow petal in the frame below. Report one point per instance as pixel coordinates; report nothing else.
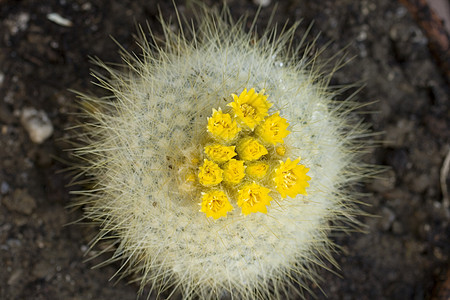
(253, 198)
(215, 204)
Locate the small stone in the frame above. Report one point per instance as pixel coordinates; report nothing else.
(43, 269)
(387, 218)
(15, 277)
(18, 22)
(86, 6)
(20, 202)
(362, 36)
(14, 243)
(4, 188)
(263, 3)
(58, 19)
(37, 124)
(420, 184)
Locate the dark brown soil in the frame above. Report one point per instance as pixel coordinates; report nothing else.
(406, 250)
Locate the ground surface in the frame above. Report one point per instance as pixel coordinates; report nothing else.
(406, 251)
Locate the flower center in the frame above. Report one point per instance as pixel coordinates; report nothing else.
(248, 110)
(215, 204)
(289, 179)
(252, 199)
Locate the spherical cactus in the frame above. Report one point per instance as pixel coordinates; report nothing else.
(219, 163)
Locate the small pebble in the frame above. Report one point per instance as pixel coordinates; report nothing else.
(86, 6)
(4, 188)
(14, 243)
(420, 184)
(387, 218)
(18, 22)
(43, 269)
(263, 3)
(15, 277)
(20, 202)
(58, 19)
(37, 124)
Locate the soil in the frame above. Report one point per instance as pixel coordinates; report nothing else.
(403, 255)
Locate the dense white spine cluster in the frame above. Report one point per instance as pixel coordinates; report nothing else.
(141, 138)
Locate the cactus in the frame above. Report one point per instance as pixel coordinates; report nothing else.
(193, 162)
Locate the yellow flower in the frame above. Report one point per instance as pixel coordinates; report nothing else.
(274, 129)
(291, 179)
(234, 171)
(210, 174)
(220, 153)
(250, 107)
(215, 204)
(253, 198)
(257, 170)
(222, 126)
(281, 150)
(250, 149)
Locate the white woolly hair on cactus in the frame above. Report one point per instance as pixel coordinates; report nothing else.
(247, 219)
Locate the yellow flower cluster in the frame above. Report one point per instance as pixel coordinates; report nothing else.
(242, 159)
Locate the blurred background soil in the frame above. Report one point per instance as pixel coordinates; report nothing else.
(44, 49)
